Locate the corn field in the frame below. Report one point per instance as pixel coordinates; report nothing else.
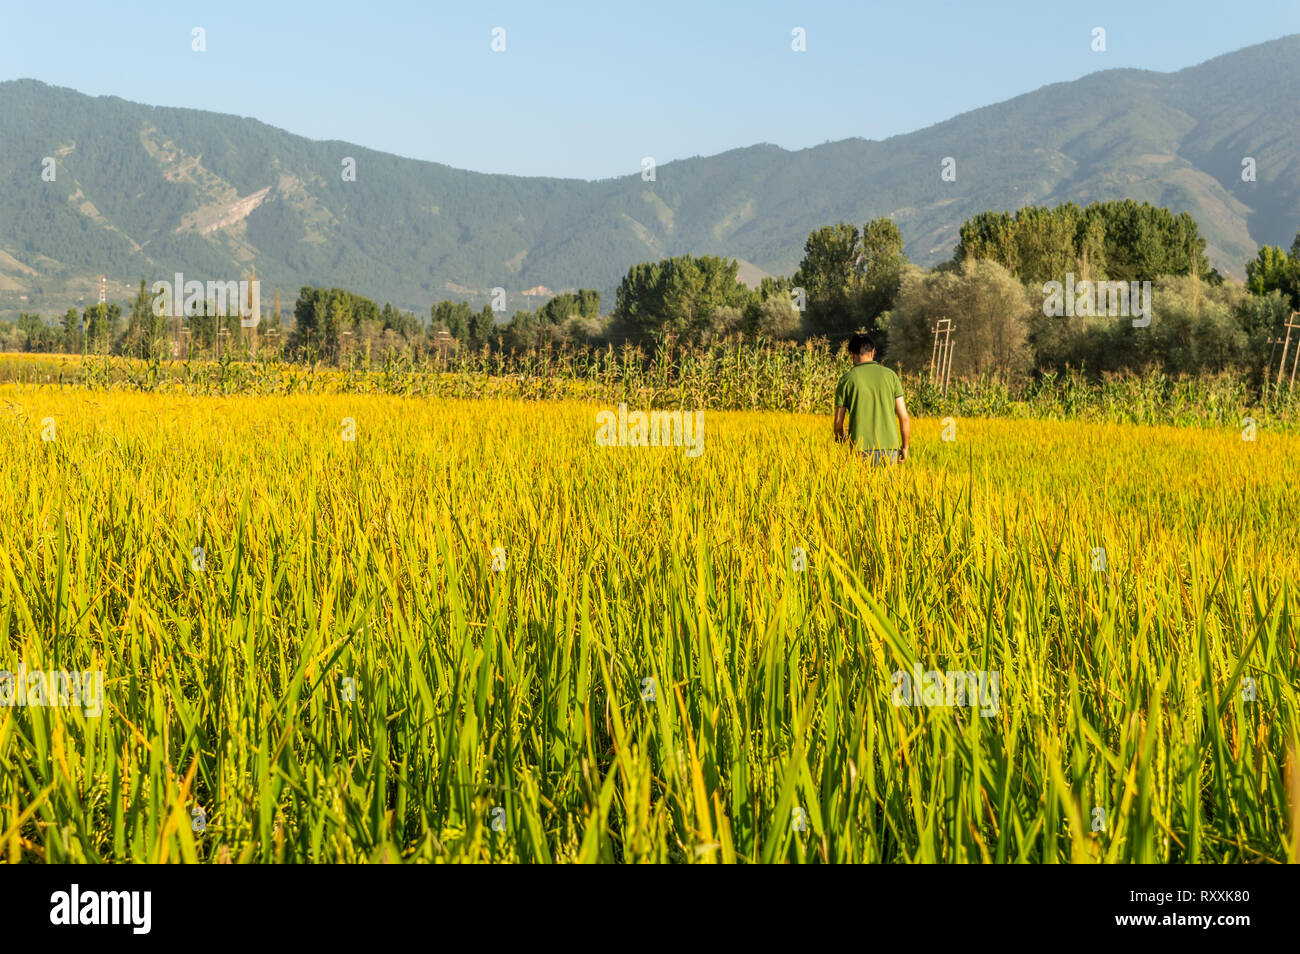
(368, 627)
(738, 376)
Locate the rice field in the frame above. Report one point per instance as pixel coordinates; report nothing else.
(361, 627)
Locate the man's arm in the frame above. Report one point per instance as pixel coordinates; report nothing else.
(839, 425)
(904, 427)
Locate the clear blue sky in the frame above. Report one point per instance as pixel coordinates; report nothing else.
(586, 89)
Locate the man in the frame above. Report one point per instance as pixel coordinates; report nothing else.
(871, 397)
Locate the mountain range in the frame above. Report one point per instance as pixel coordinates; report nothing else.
(143, 191)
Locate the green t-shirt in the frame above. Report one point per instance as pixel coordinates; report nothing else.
(867, 392)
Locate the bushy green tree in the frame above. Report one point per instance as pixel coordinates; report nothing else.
(776, 318)
(1119, 241)
(881, 264)
(990, 311)
(453, 317)
(1196, 327)
(1275, 270)
(829, 275)
(322, 315)
(101, 326)
(850, 277)
(678, 296)
(584, 303)
(72, 335)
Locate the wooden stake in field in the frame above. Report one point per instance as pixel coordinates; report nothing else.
(1291, 325)
(443, 343)
(941, 354)
(250, 334)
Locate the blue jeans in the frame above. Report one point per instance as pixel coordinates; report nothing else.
(880, 457)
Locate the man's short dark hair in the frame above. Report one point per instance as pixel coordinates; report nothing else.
(860, 344)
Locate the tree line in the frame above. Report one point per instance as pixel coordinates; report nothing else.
(849, 278)
(995, 291)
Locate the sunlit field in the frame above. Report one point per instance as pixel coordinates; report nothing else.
(356, 627)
